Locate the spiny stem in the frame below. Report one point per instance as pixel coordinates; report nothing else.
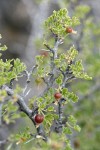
(25, 109)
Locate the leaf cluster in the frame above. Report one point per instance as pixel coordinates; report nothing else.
(59, 21)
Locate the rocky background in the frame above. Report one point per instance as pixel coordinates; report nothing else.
(21, 23)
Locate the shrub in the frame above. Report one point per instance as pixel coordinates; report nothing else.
(56, 69)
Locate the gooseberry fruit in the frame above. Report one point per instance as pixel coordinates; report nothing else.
(39, 118)
(69, 30)
(57, 95)
(44, 53)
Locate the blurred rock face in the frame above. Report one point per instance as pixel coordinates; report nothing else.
(15, 15)
(16, 24)
(95, 8)
(15, 27)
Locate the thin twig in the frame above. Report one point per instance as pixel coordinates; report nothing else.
(55, 49)
(28, 76)
(59, 123)
(52, 65)
(11, 83)
(66, 79)
(49, 48)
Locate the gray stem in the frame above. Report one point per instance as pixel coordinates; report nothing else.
(25, 109)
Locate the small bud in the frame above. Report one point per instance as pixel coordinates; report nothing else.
(57, 96)
(70, 30)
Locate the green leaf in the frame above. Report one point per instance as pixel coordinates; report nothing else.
(58, 22)
(65, 92)
(48, 121)
(78, 70)
(73, 97)
(72, 119)
(68, 145)
(3, 48)
(51, 108)
(19, 67)
(3, 94)
(67, 130)
(77, 128)
(59, 80)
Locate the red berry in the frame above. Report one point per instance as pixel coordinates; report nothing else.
(44, 53)
(39, 118)
(69, 30)
(57, 95)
